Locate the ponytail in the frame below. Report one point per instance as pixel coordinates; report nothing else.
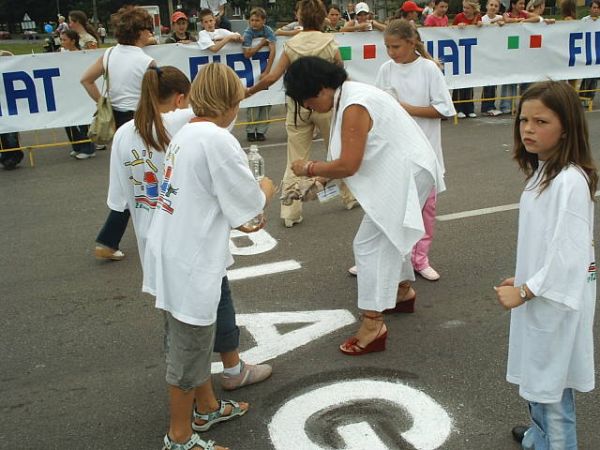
(81, 18)
(158, 84)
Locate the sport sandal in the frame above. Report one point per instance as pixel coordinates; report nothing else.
(193, 442)
(217, 416)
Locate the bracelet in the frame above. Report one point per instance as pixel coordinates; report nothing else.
(310, 169)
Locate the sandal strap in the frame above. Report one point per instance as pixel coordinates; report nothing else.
(235, 407)
(377, 316)
(194, 441)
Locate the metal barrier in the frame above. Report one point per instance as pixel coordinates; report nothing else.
(62, 143)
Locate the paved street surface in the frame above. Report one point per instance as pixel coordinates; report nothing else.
(82, 361)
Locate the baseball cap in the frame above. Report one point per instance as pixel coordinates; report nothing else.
(409, 6)
(178, 15)
(361, 7)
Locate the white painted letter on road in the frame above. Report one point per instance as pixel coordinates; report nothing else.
(431, 424)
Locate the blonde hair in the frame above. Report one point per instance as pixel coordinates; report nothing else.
(215, 90)
(474, 4)
(403, 29)
(533, 4)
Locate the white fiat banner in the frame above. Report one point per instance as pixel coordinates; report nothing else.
(43, 90)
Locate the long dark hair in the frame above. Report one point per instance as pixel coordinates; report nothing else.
(574, 145)
(81, 18)
(158, 84)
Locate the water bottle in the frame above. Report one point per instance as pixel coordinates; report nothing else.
(257, 167)
(256, 163)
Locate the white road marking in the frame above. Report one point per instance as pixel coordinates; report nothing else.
(263, 269)
(431, 425)
(270, 343)
(477, 212)
(262, 242)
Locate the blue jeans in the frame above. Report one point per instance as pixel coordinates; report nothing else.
(507, 90)
(488, 105)
(227, 337)
(553, 425)
(79, 133)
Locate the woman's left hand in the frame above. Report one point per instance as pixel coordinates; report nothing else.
(299, 167)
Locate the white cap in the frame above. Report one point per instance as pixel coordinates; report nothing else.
(361, 7)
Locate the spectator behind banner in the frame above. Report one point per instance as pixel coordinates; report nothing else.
(349, 14)
(292, 28)
(218, 9)
(180, 33)
(88, 38)
(361, 21)
(590, 84)
(214, 39)
(427, 10)
(491, 17)
(334, 22)
(258, 29)
(438, 17)
(409, 11)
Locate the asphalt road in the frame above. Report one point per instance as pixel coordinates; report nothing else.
(81, 348)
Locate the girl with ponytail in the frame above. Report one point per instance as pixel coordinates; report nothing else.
(88, 38)
(137, 158)
(417, 83)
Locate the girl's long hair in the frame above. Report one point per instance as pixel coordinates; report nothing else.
(81, 18)
(403, 29)
(574, 145)
(158, 84)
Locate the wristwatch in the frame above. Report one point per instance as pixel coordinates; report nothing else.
(523, 292)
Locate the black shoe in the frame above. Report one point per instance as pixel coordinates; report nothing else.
(518, 433)
(260, 137)
(251, 137)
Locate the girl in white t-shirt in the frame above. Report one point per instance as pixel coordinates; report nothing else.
(416, 81)
(491, 17)
(206, 190)
(553, 293)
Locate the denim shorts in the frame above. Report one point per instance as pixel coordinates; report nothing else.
(188, 352)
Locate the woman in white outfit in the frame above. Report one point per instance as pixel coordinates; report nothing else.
(389, 166)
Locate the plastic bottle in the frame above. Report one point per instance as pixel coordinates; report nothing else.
(257, 167)
(256, 163)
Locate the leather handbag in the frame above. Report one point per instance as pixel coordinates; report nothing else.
(102, 128)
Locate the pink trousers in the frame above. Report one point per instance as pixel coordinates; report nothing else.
(420, 252)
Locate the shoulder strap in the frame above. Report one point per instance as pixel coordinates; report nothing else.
(106, 77)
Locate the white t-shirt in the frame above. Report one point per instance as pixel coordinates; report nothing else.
(213, 5)
(136, 173)
(589, 19)
(207, 189)
(128, 64)
(396, 150)
(206, 39)
(487, 20)
(551, 345)
(420, 83)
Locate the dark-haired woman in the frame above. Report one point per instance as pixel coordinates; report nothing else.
(391, 168)
(300, 123)
(126, 64)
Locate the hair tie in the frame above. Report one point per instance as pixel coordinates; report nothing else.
(158, 71)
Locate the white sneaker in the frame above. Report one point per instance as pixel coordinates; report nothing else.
(494, 112)
(429, 273)
(100, 147)
(461, 115)
(85, 155)
(472, 115)
(353, 271)
(73, 154)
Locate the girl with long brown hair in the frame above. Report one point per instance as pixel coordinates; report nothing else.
(552, 296)
(88, 38)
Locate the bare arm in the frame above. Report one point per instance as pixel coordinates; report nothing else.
(272, 51)
(251, 51)
(271, 77)
(428, 112)
(221, 43)
(356, 123)
(89, 77)
(378, 25)
(349, 27)
(282, 32)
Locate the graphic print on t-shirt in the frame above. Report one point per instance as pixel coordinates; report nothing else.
(145, 190)
(166, 190)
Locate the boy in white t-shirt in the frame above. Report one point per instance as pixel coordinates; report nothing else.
(214, 39)
(206, 190)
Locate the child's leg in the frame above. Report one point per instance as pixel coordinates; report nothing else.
(457, 96)
(180, 407)
(488, 92)
(264, 113)
(420, 252)
(553, 425)
(507, 90)
(469, 106)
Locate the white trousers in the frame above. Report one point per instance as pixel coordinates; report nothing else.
(380, 267)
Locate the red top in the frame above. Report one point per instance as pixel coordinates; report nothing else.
(435, 21)
(461, 18)
(521, 15)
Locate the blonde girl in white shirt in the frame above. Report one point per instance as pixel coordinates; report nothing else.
(416, 81)
(553, 293)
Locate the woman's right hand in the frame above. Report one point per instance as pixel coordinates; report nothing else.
(508, 282)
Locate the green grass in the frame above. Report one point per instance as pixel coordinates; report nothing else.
(27, 47)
